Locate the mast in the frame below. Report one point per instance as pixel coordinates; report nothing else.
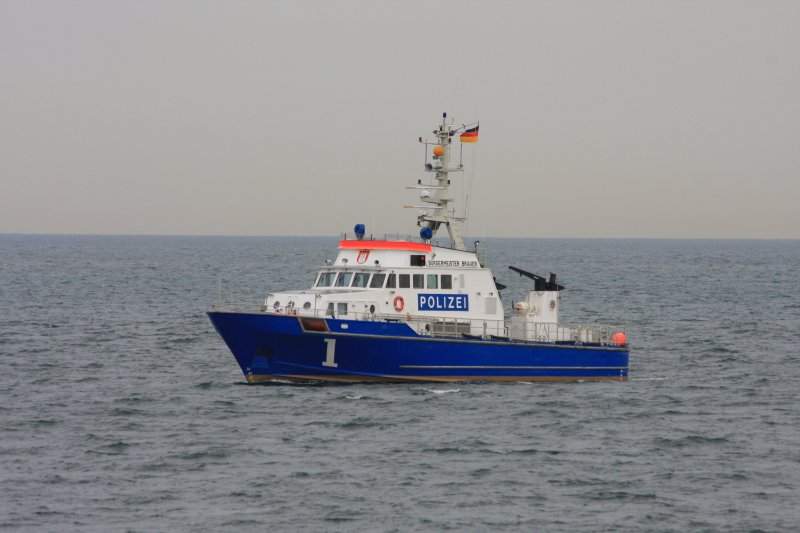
(440, 201)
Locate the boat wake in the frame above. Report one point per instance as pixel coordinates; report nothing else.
(436, 391)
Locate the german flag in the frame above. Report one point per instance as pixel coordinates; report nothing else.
(470, 135)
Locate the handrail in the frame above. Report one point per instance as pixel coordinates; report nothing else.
(452, 327)
(397, 237)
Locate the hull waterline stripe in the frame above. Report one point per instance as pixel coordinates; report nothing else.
(304, 378)
(480, 367)
(476, 367)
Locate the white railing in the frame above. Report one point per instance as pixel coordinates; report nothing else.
(581, 333)
(440, 326)
(396, 237)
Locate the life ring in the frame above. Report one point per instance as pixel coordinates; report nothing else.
(399, 303)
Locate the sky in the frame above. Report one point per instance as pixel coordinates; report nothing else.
(618, 119)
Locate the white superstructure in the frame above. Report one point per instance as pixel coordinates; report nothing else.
(436, 290)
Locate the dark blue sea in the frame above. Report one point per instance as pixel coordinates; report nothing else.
(121, 409)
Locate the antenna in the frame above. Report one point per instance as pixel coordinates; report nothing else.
(440, 211)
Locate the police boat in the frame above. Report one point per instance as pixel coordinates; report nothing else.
(407, 310)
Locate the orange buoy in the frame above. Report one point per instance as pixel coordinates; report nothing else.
(618, 338)
(438, 151)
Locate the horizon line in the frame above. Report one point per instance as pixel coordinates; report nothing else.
(339, 236)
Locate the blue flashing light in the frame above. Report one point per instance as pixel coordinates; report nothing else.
(360, 230)
(426, 233)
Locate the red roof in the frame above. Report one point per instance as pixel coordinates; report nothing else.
(385, 245)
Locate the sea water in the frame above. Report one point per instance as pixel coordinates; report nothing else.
(121, 408)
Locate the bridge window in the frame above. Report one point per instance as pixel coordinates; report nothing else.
(405, 281)
(344, 279)
(447, 281)
(419, 281)
(390, 282)
(433, 281)
(361, 279)
(326, 279)
(377, 281)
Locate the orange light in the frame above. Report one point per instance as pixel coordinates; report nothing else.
(618, 338)
(438, 151)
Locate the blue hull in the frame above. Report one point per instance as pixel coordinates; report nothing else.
(280, 347)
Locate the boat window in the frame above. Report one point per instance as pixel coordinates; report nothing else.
(419, 281)
(329, 310)
(341, 309)
(377, 281)
(447, 281)
(390, 282)
(433, 281)
(405, 281)
(361, 279)
(326, 279)
(344, 279)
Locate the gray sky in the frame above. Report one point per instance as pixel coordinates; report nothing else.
(598, 119)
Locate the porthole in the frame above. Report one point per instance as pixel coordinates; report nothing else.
(277, 304)
(372, 309)
(307, 305)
